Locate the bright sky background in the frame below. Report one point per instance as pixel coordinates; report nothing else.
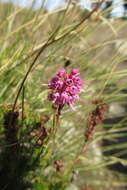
(53, 4)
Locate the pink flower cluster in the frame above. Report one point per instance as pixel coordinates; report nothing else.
(65, 87)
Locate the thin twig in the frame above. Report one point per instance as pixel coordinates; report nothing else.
(23, 97)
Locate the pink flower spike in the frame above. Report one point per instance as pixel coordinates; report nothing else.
(61, 73)
(65, 87)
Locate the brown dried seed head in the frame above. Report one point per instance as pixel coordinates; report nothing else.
(96, 117)
(33, 134)
(39, 142)
(58, 165)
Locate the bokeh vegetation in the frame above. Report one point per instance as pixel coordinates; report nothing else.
(71, 38)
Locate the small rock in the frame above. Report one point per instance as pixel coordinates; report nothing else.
(116, 109)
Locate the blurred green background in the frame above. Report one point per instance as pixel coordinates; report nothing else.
(97, 46)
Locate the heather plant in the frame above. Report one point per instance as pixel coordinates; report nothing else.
(62, 98)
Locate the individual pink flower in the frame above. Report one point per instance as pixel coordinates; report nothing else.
(61, 72)
(74, 71)
(65, 87)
